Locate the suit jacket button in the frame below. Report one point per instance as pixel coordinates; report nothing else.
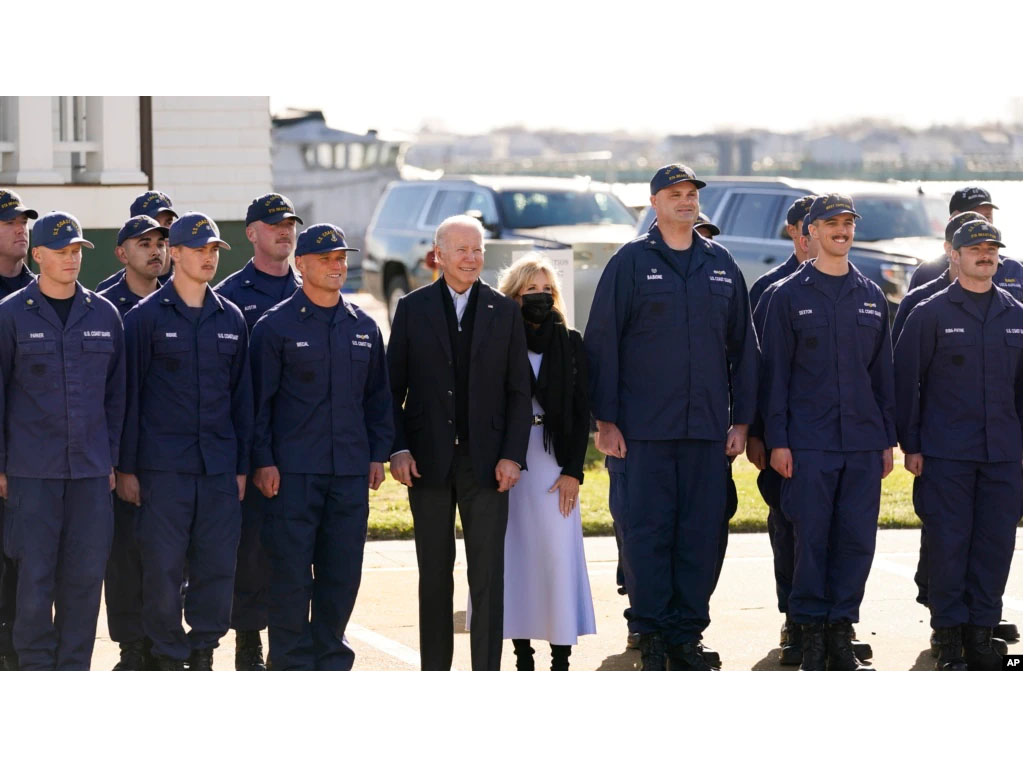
(449, 393)
(449, 421)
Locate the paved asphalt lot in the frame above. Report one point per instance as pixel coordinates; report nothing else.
(744, 627)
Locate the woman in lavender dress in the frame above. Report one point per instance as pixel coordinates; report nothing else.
(547, 590)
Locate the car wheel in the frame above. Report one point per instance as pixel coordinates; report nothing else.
(397, 287)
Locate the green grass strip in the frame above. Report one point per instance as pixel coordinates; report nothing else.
(390, 517)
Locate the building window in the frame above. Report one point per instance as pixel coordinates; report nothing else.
(72, 144)
(5, 110)
(355, 156)
(325, 155)
(6, 129)
(71, 118)
(392, 156)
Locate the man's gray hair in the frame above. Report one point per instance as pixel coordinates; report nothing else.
(453, 221)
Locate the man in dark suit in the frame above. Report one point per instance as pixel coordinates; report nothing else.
(460, 378)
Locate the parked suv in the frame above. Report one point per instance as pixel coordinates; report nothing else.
(898, 228)
(527, 212)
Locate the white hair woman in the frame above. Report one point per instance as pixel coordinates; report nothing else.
(547, 590)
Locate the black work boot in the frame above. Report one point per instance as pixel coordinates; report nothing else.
(791, 644)
(687, 657)
(201, 660)
(812, 647)
(950, 644)
(652, 652)
(248, 651)
(710, 655)
(8, 658)
(1006, 632)
(981, 656)
(524, 655)
(861, 649)
(839, 641)
(164, 664)
(998, 644)
(560, 657)
(134, 657)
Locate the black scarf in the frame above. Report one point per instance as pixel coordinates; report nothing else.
(553, 385)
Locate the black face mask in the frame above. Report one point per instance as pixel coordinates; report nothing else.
(537, 306)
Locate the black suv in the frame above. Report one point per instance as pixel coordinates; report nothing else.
(898, 229)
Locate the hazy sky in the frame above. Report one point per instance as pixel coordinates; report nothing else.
(643, 67)
(470, 65)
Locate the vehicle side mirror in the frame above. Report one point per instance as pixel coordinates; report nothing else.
(491, 226)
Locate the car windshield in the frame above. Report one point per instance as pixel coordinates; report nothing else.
(529, 209)
(885, 218)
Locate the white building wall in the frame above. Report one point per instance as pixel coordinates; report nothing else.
(209, 153)
(212, 154)
(39, 169)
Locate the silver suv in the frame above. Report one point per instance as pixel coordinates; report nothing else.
(898, 230)
(519, 213)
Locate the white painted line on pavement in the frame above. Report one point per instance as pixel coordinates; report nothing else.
(908, 572)
(391, 647)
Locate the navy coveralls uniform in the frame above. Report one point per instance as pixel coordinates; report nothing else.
(8, 574)
(323, 413)
(111, 280)
(118, 277)
(62, 397)
(958, 380)
(253, 292)
(909, 302)
(1009, 276)
(664, 346)
(187, 435)
(832, 407)
(122, 586)
(616, 506)
(915, 297)
(9, 285)
(121, 296)
(774, 275)
(926, 272)
(769, 482)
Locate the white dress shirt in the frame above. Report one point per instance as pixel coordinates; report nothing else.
(460, 300)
